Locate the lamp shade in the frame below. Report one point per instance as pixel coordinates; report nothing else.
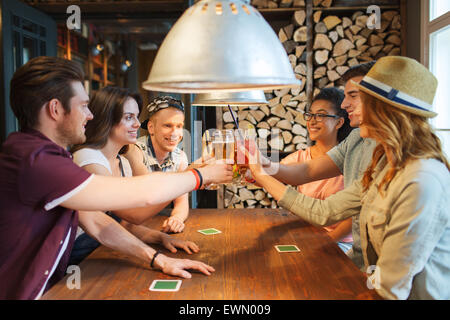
(220, 45)
(223, 99)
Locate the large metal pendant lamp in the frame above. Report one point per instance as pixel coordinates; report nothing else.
(220, 45)
(224, 99)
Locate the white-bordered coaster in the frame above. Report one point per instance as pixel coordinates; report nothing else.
(165, 285)
(209, 231)
(287, 248)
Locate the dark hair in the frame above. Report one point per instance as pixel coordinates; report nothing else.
(335, 97)
(359, 70)
(107, 107)
(37, 82)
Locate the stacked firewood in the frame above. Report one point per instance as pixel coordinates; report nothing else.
(342, 42)
(279, 127)
(339, 42)
(273, 4)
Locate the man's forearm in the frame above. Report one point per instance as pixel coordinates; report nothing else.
(110, 233)
(319, 168)
(118, 238)
(120, 193)
(293, 174)
(143, 233)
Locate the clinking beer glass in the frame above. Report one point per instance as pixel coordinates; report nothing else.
(242, 137)
(219, 144)
(223, 146)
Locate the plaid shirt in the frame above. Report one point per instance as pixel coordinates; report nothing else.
(170, 164)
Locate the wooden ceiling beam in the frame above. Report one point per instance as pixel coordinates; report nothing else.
(109, 6)
(101, 10)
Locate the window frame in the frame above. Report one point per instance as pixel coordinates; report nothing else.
(427, 29)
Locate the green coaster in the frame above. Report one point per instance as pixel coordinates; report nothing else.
(165, 285)
(209, 231)
(287, 248)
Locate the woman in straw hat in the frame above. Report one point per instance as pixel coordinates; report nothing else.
(403, 198)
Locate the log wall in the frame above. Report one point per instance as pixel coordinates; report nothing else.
(335, 39)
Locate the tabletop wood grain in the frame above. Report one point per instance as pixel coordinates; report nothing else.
(247, 264)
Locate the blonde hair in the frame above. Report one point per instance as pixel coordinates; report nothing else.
(402, 136)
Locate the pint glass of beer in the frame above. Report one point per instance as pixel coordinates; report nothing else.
(219, 144)
(223, 145)
(243, 137)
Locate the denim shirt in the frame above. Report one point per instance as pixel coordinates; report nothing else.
(405, 232)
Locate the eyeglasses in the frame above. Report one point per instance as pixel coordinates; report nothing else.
(319, 117)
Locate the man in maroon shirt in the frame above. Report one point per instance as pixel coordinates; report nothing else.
(41, 188)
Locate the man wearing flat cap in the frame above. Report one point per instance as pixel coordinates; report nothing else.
(158, 151)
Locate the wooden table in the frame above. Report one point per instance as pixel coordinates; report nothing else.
(246, 262)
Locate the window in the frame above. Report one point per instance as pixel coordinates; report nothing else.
(438, 8)
(435, 52)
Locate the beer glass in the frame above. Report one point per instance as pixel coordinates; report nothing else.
(243, 137)
(219, 144)
(223, 145)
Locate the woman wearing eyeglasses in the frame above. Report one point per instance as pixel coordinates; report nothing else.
(327, 126)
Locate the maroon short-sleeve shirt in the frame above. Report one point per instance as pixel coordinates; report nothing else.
(36, 176)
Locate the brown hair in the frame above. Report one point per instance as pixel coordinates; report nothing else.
(107, 107)
(399, 132)
(37, 82)
(359, 70)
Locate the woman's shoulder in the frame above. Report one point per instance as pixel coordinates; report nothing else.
(86, 156)
(87, 153)
(297, 156)
(425, 182)
(434, 167)
(427, 172)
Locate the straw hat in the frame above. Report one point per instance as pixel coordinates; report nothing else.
(403, 83)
